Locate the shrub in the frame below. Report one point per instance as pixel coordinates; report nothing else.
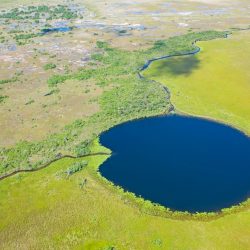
(14, 79)
(49, 66)
(82, 148)
(76, 167)
(29, 102)
(3, 98)
(56, 79)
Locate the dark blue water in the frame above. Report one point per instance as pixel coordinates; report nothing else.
(185, 164)
(56, 29)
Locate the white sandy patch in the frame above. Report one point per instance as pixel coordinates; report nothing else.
(183, 24)
(185, 13)
(7, 58)
(214, 2)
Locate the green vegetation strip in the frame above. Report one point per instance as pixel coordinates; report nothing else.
(38, 12)
(4, 81)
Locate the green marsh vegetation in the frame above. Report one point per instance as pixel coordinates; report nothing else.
(213, 83)
(129, 97)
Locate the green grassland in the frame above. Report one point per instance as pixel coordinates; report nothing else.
(48, 209)
(214, 83)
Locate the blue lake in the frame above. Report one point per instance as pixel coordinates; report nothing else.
(186, 164)
(56, 29)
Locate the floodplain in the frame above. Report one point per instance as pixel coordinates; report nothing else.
(60, 90)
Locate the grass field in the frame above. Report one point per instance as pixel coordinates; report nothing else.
(215, 83)
(48, 210)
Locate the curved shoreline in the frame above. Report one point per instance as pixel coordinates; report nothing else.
(165, 211)
(186, 114)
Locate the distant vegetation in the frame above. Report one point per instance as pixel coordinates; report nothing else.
(36, 16)
(38, 12)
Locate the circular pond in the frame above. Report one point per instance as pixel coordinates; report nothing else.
(183, 163)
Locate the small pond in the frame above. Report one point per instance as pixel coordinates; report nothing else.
(183, 163)
(56, 29)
